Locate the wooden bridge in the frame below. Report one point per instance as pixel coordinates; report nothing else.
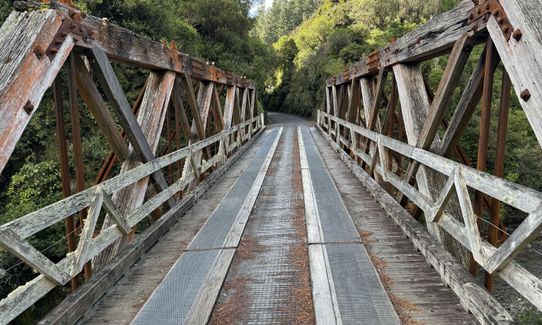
(372, 214)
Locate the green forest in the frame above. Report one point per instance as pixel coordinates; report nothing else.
(289, 47)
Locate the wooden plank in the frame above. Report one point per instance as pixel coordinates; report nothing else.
(465, 108)
(98, 108)
(469, 218)
(75, 306)
(528, 230)
(149, 124)
(414, 100)
(432, 39)
(24, 77)
(217, 110)
(241, 220)
(456, 62)
(474, 298)
(87, 233)
(203, 306)
(115, 214)
(123, 45)
(32, 257)
(325, 302)
(27, 295)
(521, 57)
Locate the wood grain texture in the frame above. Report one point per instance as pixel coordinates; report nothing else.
(24, 77)
(473, 298)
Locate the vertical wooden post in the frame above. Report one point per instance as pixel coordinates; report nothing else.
(64, 167)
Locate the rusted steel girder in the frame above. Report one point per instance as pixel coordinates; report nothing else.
(64, 168)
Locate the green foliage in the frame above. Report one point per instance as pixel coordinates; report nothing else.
(337, 34)
(530, 317)
(5, 9)
(283, 17)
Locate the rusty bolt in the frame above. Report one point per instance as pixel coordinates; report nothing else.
(471, 16)
(488, 6)
(500, 20)
(58, 41)
(63, 34)
(496, 13)
(39, 51)
(517, 34)
(506, 29)
(28, 107)
(72, 26)
(54, 50)
(525, 94)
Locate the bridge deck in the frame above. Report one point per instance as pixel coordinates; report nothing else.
(285, 237)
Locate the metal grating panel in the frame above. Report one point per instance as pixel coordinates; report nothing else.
(215, 231)
(171, 301)
(360, 294)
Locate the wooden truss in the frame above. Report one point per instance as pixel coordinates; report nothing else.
(201, 113)
(403, 150)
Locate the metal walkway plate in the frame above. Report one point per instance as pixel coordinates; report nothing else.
(189, 291)
(346, 286)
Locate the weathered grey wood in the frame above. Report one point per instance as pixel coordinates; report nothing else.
(125, 46)
(520, 197)
(474, 298)
(456, 62)
(465, 108)
(96, 105)
(31, 256)
(410, 280)
(75, 305)
(203, 306)
(527, 231)
(180, 112)
(47, 216)
(115, 214)
(521, 58)
(133, 129)
(28, 294)
(469, 218)
(217, 110)
(24, 77)
(85, 240)
(432, 39)
(149, 123)
(229, 107)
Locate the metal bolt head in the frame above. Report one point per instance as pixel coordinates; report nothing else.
(525, 94)
(517, 34)
(28, 107)
(39, 51)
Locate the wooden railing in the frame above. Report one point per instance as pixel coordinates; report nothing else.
(460, 179)
(189, 117)
(384, 115)
(96, 198)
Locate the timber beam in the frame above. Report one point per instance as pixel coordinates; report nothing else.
(433, 39)
(123, 45)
